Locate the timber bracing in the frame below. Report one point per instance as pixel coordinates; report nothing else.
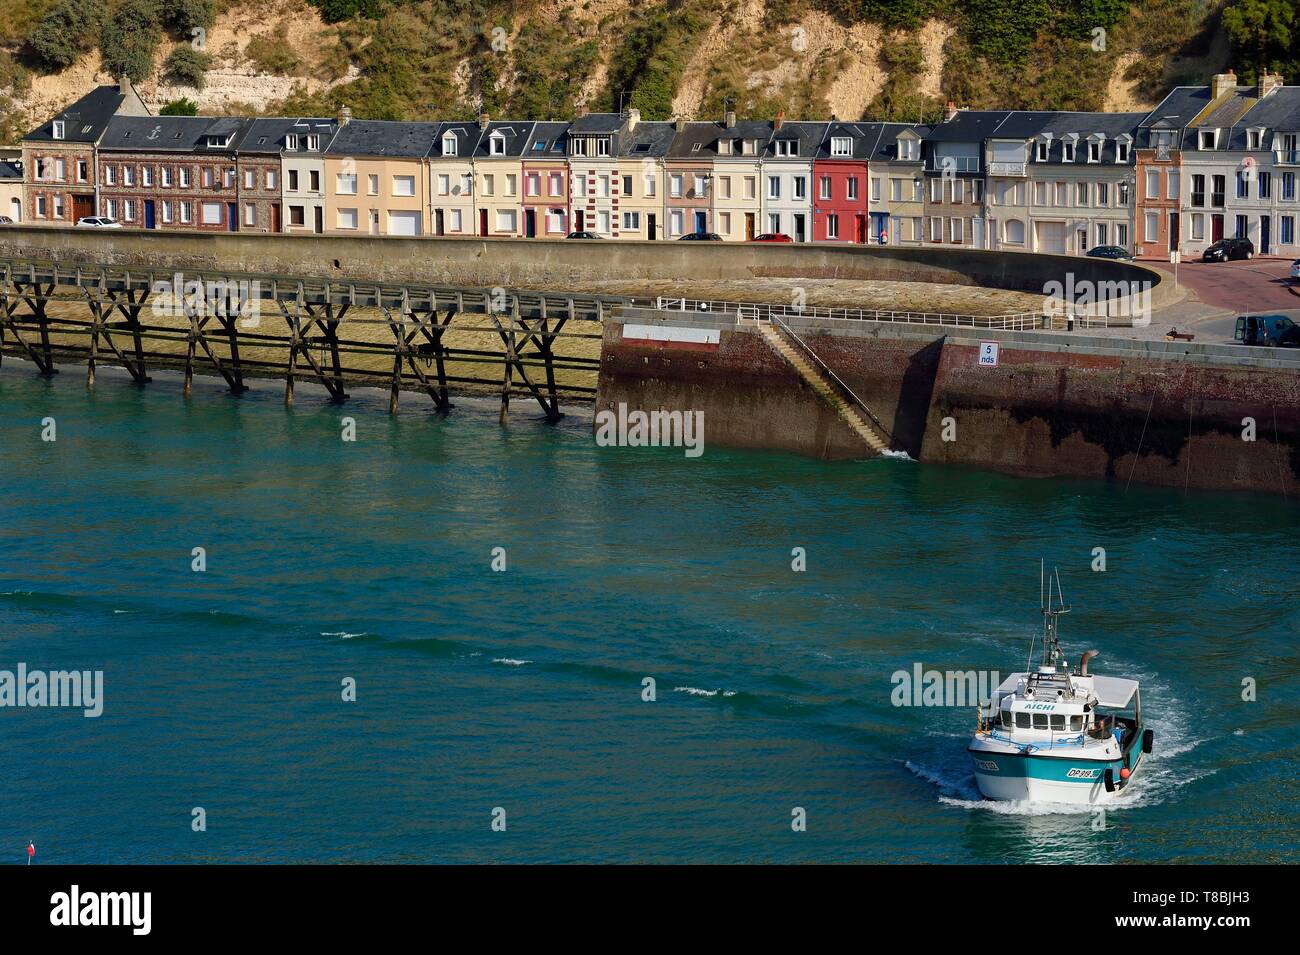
(334, 331)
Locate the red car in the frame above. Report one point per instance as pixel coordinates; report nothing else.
(772, 237)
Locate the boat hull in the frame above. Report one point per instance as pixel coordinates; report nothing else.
(1043, 778)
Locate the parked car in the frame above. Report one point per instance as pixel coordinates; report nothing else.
(1295, 269)
(701, 237)
(1117, 252)
(5, 220)
(1267, 330)
(582, 235)
(772, 237)
(1226, 249)
(99, 222)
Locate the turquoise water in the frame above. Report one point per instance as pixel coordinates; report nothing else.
(522, 689)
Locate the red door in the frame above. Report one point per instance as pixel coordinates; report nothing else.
(482, 222)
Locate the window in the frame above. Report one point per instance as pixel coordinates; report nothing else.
(800, 187)
(1173, 184)
(1103, 194)
(841, 146)
(675, 222)
(557, 185)
(444, 184)
(1015, 232)
(724, 187)
(1068, 151)
(774, 187)
(372, 184)
(187, 212)
(896, 190)
(774, 222)
(1207, 138)
(1040, 193)
(1153, 183)
(602, 186)
(1253, 138)
(497, 144)
(1040, 149)
(505, 220)
(489, 185)
(1006, 718)
(313, 178)
(250, 213)
(1288, 185)
(751, 187)
(936, 229)
(632, 221)
(167, 211)
(1076, 723)
(211, 213)
(449, 145)
(1121, 151)
(346, 184)
(959, 190)
(347, 218)
(936, 190)
(297, 215)
(832, 226)
(675, 185)
(313, 142)
(1288, 230)
(83, 170)
(1198, 225)
(1243, 227)
(602, 147)
(580, 185)
(58, 205)
(403, 185)
(59, 129)
(60, 169)
(291, 142)
(455, 225)
(627, 185)
(1152, 227)
(228, 178)
(1040, 721)
(1102, 234)
(787, 147)
(977, 189)
(555, 220)
(1022, 721)
(250, 179)
(1265, 189)
(167, 176)
(1121, 234)
(293, 180)
(206, 177)
(1198, 190)
(824, 187)
(955, 226)
(1057, 721)
(110, 174)
(184, 177)
(1081, 193)
(602, 222)
(724, 223)
(128, 175)
(1217, 186)
(532, 184)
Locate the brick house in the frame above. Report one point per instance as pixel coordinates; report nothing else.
(60, 184)
(171, 172)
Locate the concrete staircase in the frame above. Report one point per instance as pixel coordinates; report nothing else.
(830, 389)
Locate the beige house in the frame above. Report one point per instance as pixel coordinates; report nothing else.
(737, 150)
(376, 180)
(897, 163)
(640, 175)
(450, 168)
(498, 177)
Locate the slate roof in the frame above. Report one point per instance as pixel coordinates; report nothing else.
(84, 120)
(697, 140)
(268, 135)
(164, 133)
(1279, 110)
(384, 138)
(864, 139)
(1110, 125)
(969, 126)
(467, 136)
(648, 140)
(598, 123)
(11, 170)
(548, 140)
(808, 135)
(515, 136)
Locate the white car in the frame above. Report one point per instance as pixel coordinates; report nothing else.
(1295, 269)
(99, 222)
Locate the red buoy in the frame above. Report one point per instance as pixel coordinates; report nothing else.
(1124, 773)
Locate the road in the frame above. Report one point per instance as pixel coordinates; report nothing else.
(1224, 290)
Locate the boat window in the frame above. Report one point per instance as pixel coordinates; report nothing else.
(1076, 722)
(1022, 721)
(1058, 721)
(1040, 721)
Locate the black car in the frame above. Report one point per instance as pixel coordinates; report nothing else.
(1110, 252)
(700, 237)
(1226, 249)
(582, 235)
(1275, 330)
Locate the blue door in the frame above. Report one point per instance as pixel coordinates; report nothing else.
(232, 217)
(701, 221)
(149, 222)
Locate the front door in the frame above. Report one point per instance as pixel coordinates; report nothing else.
(579, 221)
(438, 223)
(150, 221)
(374, 222)
(1081, 238)
(482, 222)
(1175, 229)
(82, 206)
(651, 227)
(1265, 234)
(276, 225)
(1216, 227)
(799, 232)
(319, 222)
(530, 223)
(232, 217)
(749, 226)
(701, 220)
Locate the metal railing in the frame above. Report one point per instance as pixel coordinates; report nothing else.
(1018, 321)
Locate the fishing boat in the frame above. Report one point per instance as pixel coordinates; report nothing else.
(1056, 734)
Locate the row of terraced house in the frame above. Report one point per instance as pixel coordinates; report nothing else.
(1208, 162)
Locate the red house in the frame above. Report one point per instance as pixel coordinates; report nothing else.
(840, 184)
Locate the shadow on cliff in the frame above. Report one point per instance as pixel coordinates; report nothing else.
(914, 397)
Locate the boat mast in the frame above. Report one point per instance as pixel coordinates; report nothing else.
(1052, 655)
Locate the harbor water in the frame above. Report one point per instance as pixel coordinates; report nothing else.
(520, 694)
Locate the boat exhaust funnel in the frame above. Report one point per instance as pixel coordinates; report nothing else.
(1083, 662)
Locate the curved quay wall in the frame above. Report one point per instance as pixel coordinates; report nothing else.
(538, 263)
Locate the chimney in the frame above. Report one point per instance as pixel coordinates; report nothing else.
(483, 121)
(949, 111)
(1268, 82)
(729, 119)
(779, 121)
(633, 117)
(1223, 83)
(679, 125)
(345, 116)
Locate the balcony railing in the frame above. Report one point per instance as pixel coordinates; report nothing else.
(1287, 157)
(1198, 200)
(1006, 169)
(1216, 200)
(954, 163)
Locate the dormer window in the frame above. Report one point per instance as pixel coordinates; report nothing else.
(1040, 150)
(1121, 150)
(907, 149)
(1254, 139)
(497, 144)
(59, 130)
(291, 142)
(724, 147)
(787, 147)
(1208, 138)
(218, 142)
(449, 145)
(602, 146)
(841, 146)
(313, 142)
(1094, 150)
(1067, 151)
(749, 147)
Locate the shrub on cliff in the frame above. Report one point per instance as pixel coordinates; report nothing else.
(188, 66)
(129, 39)
(180, 107)
(65, 32)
